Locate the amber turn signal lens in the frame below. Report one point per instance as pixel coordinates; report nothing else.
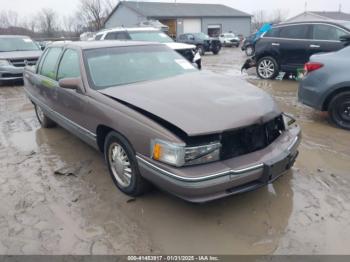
(157, 151)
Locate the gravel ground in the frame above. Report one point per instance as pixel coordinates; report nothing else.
(79, 211)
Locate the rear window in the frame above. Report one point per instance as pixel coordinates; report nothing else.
(295, 32)
(98, 37)
(117, 36)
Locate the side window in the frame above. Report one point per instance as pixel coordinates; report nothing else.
(327, 32)
(41, 61)
(295, 32)
(111, 36)
(69, 65)
(182, 37)
(98, 37)
(274, 32)
(48, 68)
(190, 37)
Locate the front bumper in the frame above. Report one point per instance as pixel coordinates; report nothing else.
(11, 73)
(224, 178)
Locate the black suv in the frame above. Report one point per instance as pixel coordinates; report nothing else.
(287, 47)
(203, 42)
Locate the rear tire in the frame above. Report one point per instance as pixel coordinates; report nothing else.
(44, 121)
(122, 165)
(267, 68)
(339, 110)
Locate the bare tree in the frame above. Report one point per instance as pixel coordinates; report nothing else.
(48, 21)
(259, 18)
(279, 15)
(94, 12)
(8, 18)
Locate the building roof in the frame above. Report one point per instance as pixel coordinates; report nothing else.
(169, 10)
(325, 15)
(333, 15)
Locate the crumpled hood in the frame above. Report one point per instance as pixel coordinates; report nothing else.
(180, 46)
(200, 103)
(20, 54)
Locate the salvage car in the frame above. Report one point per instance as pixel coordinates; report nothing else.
(157, 119)
(150, 34)
(287, 47)
(326, 85)
(229, 40)
(15, 53)
(203, 42)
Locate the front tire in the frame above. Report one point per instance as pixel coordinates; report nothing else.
(123, 166)
(267, 68)
(200, 50)
(44, 121)
(249, 50)
(339, 110)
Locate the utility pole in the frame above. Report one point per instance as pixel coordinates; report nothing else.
(340, 8)
(305, 6)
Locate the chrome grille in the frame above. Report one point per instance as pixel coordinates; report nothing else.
(23, 62)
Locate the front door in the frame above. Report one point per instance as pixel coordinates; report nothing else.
(293, 46)
(72, 103)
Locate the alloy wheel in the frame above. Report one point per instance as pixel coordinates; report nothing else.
(120, 165)
(266, 69)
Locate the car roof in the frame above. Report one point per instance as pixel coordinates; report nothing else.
(14, 36)
(331, 22)
(119, 29)
(84, 45)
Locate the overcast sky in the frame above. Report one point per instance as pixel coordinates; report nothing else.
(67, 7)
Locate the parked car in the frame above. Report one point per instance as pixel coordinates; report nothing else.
(229, 39)
(287, 47)
(203, 42)
(135, 103)
(15, 53)
(249, 43)
(150, 34)
(326, 85)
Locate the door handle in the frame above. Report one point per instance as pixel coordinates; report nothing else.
(315, 46)
(275, 44)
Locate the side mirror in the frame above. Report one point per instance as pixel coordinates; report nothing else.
(71, 83)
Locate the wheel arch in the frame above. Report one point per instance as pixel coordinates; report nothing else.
(332, 95)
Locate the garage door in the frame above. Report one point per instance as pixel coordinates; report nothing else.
(192, 25)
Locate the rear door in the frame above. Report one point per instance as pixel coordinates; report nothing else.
(294, 43)
(46, 78)
(326, 38)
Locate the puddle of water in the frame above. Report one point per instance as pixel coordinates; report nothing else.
(24, 141)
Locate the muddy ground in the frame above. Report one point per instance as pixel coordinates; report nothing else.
(305, 212)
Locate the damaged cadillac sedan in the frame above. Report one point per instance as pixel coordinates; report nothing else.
(158, 120)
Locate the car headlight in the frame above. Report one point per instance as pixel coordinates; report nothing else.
(4, 63)
(289, 121)
(182, 155)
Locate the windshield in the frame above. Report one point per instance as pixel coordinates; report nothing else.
(150, 36)
(229, 35)
(125, 65)
(17, 44)
(202, 36)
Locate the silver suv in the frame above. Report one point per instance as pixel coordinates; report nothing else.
(15, 53)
